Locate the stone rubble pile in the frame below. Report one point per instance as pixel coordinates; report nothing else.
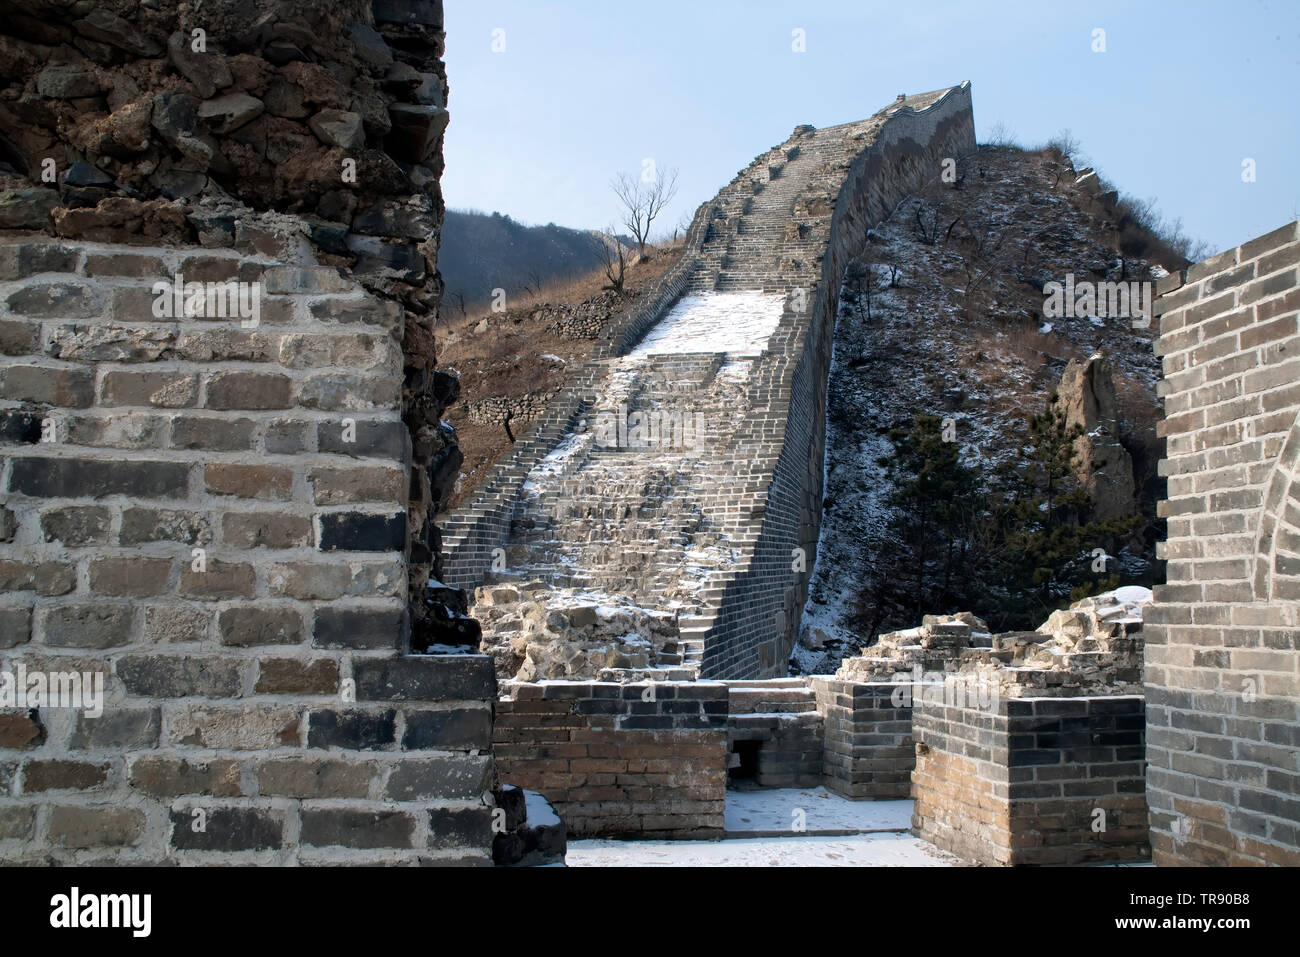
(1093, 647)
(534, 631)
(583, 320)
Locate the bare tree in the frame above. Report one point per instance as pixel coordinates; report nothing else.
(643, 201)
(981, 254)
(533, 285)
(1065, 149)
(612, 256)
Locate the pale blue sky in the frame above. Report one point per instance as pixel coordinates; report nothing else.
(1184, 92)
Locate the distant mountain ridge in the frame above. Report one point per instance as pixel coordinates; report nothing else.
(481, 252)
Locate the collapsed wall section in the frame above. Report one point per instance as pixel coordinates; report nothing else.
(1222, 659)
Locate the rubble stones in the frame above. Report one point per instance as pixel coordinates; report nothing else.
(338, 128)
(1093, 647)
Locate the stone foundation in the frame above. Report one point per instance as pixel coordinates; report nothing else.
(619, 760)
(1033, 780)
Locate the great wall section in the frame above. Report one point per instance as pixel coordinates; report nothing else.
(717, 531)
(228, 517)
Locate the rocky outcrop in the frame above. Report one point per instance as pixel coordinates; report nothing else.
(1103, 466)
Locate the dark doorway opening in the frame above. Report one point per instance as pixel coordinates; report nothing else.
(745, 764)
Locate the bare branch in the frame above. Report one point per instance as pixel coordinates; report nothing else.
(642, 202)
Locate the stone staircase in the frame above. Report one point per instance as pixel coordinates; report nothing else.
(736, 336)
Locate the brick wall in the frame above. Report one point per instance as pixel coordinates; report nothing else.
(1029, 781)
(214, 518)
(1223, 642)
(614, 764)
(867, 749)
(776, 726)
(304, 130)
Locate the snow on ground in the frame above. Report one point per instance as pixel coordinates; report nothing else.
(759, 834)
(560, 460)
(862, 850)
(768, 812)
(737, 323)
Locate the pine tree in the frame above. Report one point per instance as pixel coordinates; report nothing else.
(936, 499)
(1045, 538)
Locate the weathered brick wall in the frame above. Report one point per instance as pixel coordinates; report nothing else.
(776, 725)
(868, 750)
(614, 764)
(304, 130)
(228, 521)
(183, 511)
(1028, 781)
(1223, 642)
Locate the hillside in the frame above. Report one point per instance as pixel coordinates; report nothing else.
(481, 252)
(946, 318)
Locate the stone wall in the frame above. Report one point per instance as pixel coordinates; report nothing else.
(1222, 656)
(308, 132)
(776, 728)
(1031, 780)
(646, 759)
(219, 517)
(868, 750)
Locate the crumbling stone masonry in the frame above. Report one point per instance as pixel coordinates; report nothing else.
(1028, 745)
(724, 536)
(1223, 689)
(223, 516)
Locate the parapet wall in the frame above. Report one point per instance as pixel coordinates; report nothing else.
(1031, 780)
(646, 759)
(1222, 654)
(759, 617)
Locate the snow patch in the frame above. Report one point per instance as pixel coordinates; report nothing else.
(736, 323)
